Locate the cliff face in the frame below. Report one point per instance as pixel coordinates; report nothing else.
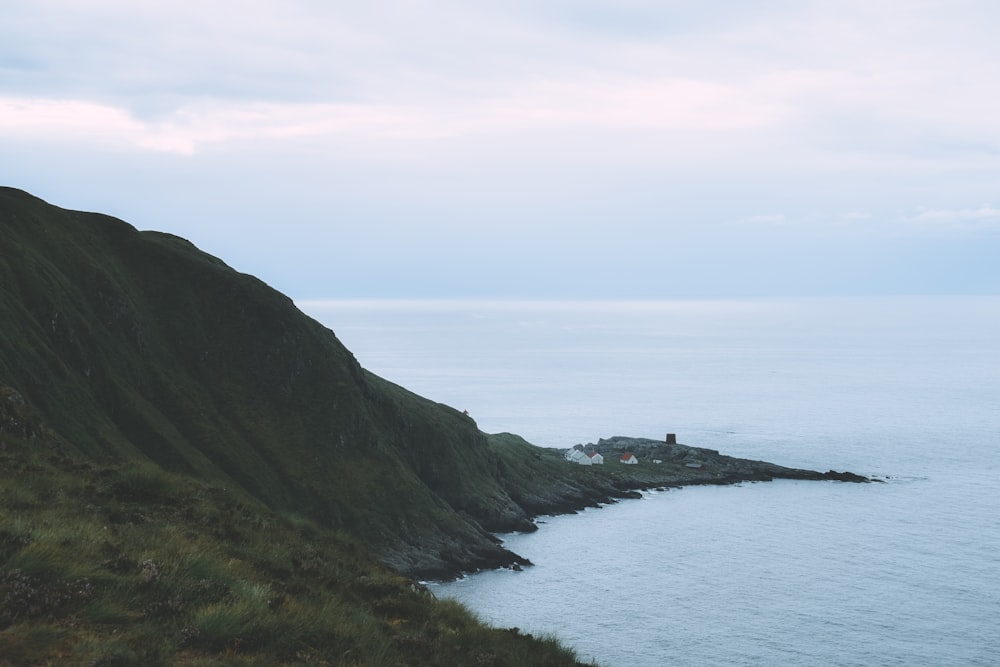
(136, 345)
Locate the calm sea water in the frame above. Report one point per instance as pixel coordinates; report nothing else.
(783, 573)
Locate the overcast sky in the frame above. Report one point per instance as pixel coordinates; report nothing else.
(526, 148)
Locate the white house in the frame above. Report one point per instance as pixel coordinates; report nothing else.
(578, 456)
(628, 458)
(596, 459)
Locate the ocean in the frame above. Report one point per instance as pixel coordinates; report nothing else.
(905, 572)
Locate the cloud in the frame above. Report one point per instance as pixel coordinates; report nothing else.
(189, 128)
(771, 220)
(984, 217)
(609, 106)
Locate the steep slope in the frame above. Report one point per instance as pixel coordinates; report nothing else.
(124, 564)
(137, 346)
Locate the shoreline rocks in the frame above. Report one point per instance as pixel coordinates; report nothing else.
(595, 486)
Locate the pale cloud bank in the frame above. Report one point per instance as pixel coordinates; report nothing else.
(984, 217)
(554, 106)
(776, 219)
(187, 129)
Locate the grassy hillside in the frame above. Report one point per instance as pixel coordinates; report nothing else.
(137, 346)
(126, 564)
(186, 455)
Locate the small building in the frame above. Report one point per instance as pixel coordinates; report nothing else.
(596, 459)
(628, 458)
(578, 456)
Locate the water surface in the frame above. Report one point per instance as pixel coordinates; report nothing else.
(805, 573)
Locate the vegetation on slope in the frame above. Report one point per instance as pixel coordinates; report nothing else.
(137, 346)
(194, 471)
(126, 564)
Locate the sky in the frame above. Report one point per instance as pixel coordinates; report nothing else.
(577, 149)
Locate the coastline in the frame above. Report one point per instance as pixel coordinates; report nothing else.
(569, 488)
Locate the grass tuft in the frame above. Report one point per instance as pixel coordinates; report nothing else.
(145, 482)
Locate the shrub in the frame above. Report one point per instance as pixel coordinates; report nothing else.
(145, 482)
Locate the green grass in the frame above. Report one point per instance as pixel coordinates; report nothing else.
(110, 574)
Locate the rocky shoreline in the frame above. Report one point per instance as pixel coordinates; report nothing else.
(673, 471)
(583, 487)
(709, 464)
